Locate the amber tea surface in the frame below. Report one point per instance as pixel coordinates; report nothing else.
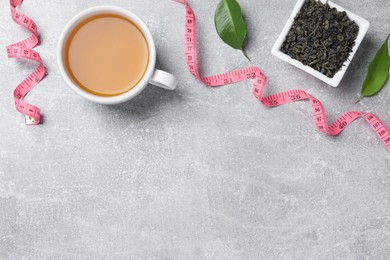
(106, 55)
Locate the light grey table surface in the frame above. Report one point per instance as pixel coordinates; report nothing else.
(196, 173)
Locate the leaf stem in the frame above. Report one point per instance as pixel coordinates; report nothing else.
(358, 100)
(246, 56)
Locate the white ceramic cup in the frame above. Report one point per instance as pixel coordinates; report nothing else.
(152, 75)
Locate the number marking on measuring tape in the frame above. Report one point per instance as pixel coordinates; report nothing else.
(276, 99)
(23, 50)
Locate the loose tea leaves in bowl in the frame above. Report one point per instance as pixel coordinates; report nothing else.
(321, 37)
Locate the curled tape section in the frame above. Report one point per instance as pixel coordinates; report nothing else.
(276, 99)
(23, 50)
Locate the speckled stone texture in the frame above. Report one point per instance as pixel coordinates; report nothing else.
(197, 173)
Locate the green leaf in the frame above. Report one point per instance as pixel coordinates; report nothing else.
(378, 71)
(230, 25)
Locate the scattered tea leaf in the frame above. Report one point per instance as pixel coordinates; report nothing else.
(378, 71)
(230, 24)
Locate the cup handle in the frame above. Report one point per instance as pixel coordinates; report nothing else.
(163, 79)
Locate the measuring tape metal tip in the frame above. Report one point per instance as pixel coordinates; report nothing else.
(32, 120)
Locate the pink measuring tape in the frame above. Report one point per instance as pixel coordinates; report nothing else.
(276, 99)
(23, 49)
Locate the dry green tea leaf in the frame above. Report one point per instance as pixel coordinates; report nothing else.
(230, 24)
(378, 71)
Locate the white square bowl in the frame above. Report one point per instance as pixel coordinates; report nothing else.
(335, 81)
